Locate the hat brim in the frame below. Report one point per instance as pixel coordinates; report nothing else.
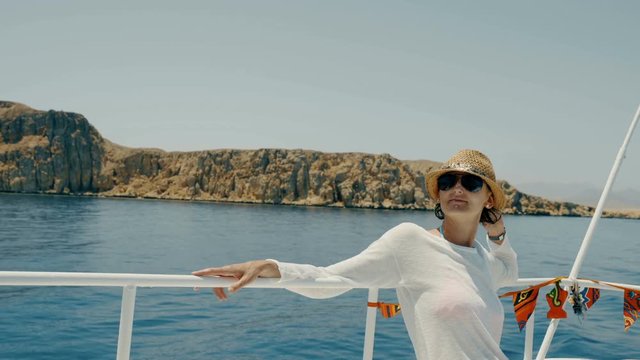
(431, 178)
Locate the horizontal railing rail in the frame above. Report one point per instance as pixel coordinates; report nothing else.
(36, 278)
(130, 282)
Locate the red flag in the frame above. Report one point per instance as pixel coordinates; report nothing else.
(524, 303)
(631, 307)
(556, 298)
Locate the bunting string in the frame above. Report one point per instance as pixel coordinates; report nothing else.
(524, 301)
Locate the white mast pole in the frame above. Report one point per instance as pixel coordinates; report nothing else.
(553, 325)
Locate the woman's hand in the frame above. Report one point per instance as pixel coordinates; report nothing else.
(495, 229)
(245, 273)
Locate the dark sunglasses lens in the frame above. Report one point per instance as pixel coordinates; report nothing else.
(472, 183)
(446, 181)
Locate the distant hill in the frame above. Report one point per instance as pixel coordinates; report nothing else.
(422, 166)
(62, 153)
(584, 193)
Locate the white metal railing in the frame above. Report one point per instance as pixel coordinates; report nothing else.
(130, 282)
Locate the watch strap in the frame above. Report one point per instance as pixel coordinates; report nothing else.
(498, 237)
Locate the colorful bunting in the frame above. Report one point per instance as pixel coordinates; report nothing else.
(576, 301)
(590, 296)
(387, 310)
(556, 298)
(524, 303)
(631, 307)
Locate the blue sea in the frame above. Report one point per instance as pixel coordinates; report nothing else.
(87, 234)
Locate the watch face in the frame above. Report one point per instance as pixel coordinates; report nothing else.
(499, 237)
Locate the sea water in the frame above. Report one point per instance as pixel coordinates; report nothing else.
(86, 234)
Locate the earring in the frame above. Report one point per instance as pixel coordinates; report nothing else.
(438, 211)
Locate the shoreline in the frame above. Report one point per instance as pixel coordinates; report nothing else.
(626, 214)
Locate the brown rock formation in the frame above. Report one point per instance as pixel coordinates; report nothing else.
(60, 152)
(273, 176)
(50, 151)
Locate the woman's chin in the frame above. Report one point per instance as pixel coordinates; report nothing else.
(458, 210)
(457, 207)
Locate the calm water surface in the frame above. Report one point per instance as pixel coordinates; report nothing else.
(57, 233)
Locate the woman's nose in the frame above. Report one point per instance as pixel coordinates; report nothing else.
(458, 185)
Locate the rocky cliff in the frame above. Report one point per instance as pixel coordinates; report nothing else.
(49, 151)
(61, 153)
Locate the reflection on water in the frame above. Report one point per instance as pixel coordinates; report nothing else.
(60, 233)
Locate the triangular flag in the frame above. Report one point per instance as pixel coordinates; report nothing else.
(524, 303)
(590, 296)
(631, 307)
(556, 298)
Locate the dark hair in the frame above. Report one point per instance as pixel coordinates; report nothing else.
(490, 216)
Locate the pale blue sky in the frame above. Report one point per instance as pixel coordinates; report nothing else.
(547, 88)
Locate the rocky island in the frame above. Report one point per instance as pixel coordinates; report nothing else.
(57, 152)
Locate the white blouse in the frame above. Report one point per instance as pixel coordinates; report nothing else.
(447, 292)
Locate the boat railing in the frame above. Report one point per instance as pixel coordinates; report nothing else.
(130, 283)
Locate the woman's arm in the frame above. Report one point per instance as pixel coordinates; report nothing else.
(244, 272)
(504, 261)
(376, 266)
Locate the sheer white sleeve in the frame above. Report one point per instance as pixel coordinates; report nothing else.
(374, 267)
(504, 262)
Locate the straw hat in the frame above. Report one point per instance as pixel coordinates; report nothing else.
(472, 162)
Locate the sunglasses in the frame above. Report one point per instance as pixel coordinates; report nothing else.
(470, 182)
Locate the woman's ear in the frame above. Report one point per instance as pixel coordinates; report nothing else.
(490, 202)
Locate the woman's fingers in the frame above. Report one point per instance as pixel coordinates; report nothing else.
(248, 276)
(497, 226)
(205, 272)
(220, 294)
(230, 270)
(245, 273)
(237, 271)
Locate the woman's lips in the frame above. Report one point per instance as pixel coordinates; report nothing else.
(457, 201)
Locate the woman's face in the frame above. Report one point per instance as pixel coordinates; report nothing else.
(463, 194)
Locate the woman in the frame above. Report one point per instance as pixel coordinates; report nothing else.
(446, 282)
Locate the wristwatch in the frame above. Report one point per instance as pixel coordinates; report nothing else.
(498, 237)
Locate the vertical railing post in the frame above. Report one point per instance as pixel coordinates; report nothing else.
(370, 327)
(528, 342)
(126, 322)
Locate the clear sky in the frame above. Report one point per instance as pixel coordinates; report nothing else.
(547, 88)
